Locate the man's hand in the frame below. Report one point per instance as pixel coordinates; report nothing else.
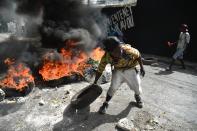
(95, 83)
(170, 44)
(142, 72)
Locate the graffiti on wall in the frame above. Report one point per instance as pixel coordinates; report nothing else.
(120, 21)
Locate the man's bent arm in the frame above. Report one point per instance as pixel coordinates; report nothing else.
(142, 71)
(98, 75)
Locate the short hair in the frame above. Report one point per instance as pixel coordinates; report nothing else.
(184, 26)
(110, 43)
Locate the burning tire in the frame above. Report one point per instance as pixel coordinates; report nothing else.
(86, 96)
(60, 81)
(53, 83)
(18, 80)
(12, 92)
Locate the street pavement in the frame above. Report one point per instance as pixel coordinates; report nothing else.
(170, 103)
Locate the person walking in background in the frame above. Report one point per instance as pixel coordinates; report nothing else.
(182, 43)
(124, 58)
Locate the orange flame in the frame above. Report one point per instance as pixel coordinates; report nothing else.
(18, 76)
(97, 54)
(73, 61)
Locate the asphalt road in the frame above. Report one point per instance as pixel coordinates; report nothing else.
(170, 103)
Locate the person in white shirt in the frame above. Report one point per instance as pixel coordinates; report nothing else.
(183, 41)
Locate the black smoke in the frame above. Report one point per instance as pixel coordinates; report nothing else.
(5, 8)
(29, 7)
(5, 3)
(65, 19)
(61, 20)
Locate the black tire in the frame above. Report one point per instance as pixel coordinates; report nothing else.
(12, 92)
(86, 96)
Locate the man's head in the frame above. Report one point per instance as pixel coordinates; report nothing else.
(111, 44)
(184, 28)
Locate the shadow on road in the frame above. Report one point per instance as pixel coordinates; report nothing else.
(177, 68)
(164, 72)
(86, 120)
(8, 108)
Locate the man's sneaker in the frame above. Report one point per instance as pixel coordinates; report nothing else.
(103, 108)
(139, 103)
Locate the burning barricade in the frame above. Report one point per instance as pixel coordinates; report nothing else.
(18, 81)
(69, 63)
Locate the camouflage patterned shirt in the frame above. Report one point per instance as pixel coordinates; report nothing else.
(127, 59)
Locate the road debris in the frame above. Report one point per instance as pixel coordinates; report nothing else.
(125, 124)
(41, 103)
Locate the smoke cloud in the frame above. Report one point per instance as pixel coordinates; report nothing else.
(5, 3)
(65, 16)
(55, 21)
(29, 7)
(70, 18)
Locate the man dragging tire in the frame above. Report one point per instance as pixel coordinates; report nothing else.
(124, 59)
